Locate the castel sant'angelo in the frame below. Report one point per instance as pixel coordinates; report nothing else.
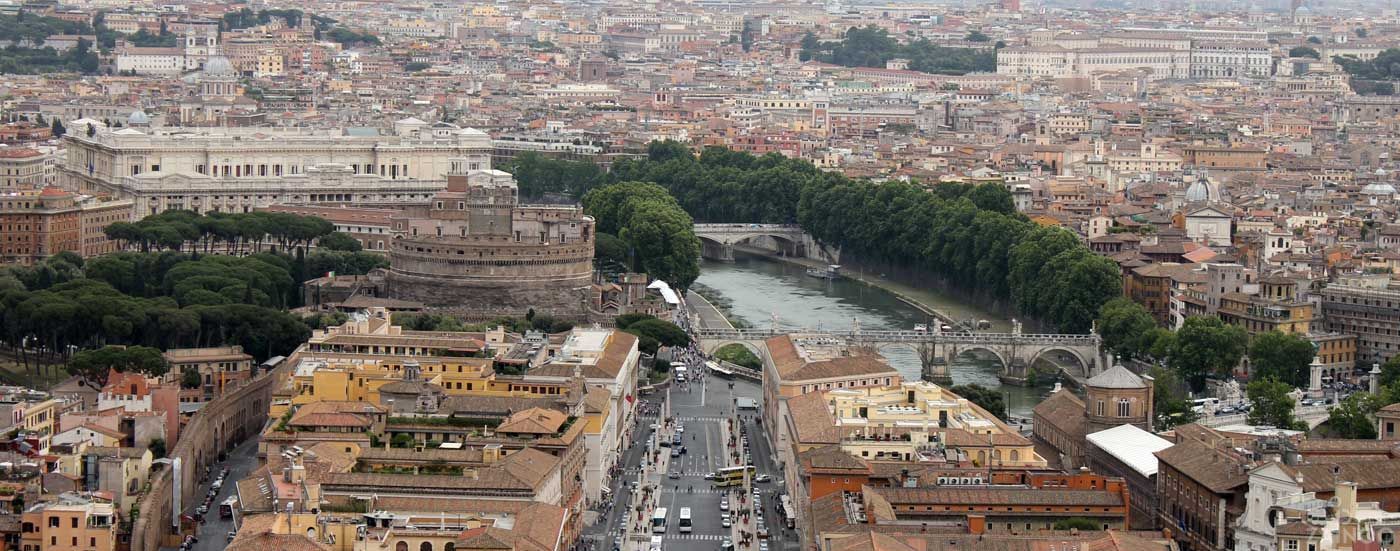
(475, 246)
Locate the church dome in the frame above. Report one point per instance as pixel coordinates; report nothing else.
(1199, 191)
(219, 66)
(138, 117)
(1116, 377)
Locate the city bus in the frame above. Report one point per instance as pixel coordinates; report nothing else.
(788, 510)
(733, 476)
(719, 370)
(685, 524)
(658, 521)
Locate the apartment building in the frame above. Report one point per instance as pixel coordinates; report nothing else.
(1365, 306)
(37, 224)
(73, 523)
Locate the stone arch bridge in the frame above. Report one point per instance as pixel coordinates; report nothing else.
(718, 241)
(1079, 356)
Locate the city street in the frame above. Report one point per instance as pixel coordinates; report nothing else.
(213, 534)
(700, 410)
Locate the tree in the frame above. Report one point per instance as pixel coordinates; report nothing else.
(1078, 523)
(339, 241)
(626, 320)
(1169, 403)
(1314, 40)
(1304, 51)
(1271, 404)
(664, 332)
(1351, 418)
(993, 197)
(190, 378)
(1281, 357)
(94, 365)
(739, 354)
(978, 36)
(157, 447)
(416, 66)
(608, 249)
(1126, 328)
(1390, 371)
(1361, 32)
(57, 128)
(1205, 347)
(988, 399)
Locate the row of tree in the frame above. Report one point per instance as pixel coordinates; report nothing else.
(872, 46)
(49, 323)
(539, 176)
(233, 232)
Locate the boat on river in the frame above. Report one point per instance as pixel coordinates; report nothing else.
(831, 271)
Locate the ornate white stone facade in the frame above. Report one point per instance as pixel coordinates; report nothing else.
(238, 169)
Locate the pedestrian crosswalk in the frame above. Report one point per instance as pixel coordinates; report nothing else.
(714, 419)
(701, 490)
(697, 537)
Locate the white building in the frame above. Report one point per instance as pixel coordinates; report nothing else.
(201, 42)
(239, 169)
(1059, 62)
(1209, 225)
(1231, 60)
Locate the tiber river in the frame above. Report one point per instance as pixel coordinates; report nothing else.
(761, 292)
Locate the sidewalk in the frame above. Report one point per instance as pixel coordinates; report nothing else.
(740, 498)
(654, 468)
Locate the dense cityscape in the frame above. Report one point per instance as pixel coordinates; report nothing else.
(542, 275)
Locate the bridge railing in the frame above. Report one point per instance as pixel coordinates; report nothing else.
(745, 228)
(1302, 413)
(907, 336)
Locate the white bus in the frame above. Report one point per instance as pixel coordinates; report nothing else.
(658, 521)
(685, 520)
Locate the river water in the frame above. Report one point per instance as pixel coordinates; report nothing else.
(761, 292)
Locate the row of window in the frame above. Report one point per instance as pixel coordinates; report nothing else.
(807, 389)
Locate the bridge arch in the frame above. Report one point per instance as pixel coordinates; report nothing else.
(1084, 363)
(712, 346)
(1002, 358)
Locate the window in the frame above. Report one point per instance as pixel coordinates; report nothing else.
(1290, 545)
(427, 546)
(1100, 408)
(53, 522)
(401, 546)
(1124, 408)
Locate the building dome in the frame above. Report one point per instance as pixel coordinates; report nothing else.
(1116, 377)
(138, 117)
(219, 66)
(1200, 191)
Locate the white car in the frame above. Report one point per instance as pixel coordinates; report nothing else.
(762, 478)
(680, 428)
(725, 522)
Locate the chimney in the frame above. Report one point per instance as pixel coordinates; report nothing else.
(491, 454)
(297, 473)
